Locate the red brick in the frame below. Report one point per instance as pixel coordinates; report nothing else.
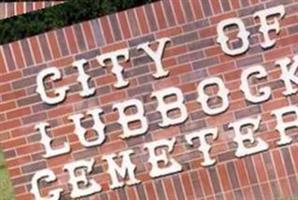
(18, 113)
(150, 191)
(280, 170)
(233, 75)
(161, 20)
(39, 5)
(218, 18)
(88, 35)
(124, 24)
(285, 41)
(242, 174)
(62, 62)
(167, 83)
(271, 105)
(288, 20)
(266, 191)
(106, 30)
(181, 69)
(4, 106)
(105, 80)
(286, 191)
(36, 49)
(17, 53)
(24, 197)
(177, 7)
(294, 151)
(20, 8)
(59, 160)
(169, 188)
(215, 6)
(220, 119)
(223, 176)
(213, 51)
(131, 194)
(277, 53)
(60, 111)
(174, 51)
(60, 131)
(12, 143)
(206, 32)
(114, 47)
(248, 193)
(187, 185)
(229, 195)
(206, 182)
(260, 169)
(54, 45)
(140, 13)
(2, 62)
(5, 88)
(29, 148)
(13, 95)
(222, 68)
(169, 32)
(113, 147)
(14, 172)
(164, 134)
(197, 8)
(71, 41)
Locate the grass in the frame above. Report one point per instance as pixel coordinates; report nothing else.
(6, 192)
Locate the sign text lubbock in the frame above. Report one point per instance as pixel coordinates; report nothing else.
(159, 151)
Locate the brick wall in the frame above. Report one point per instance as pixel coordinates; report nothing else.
(192, 56)
(10, 9)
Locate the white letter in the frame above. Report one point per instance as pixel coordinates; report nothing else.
(223, 39)
(288, 75)
(164, 108)
(125, 119)
(81, 186)
(265, 27)
(98, 126)
(127, 167)
(223, 93)
(46, 141)
(265, 92)
(204, 146)
(40, 89)
(156, 56)
(83, 78)
(170, 165)
(242, 138)
(117, 69)
(283, 126)
(48, 176)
